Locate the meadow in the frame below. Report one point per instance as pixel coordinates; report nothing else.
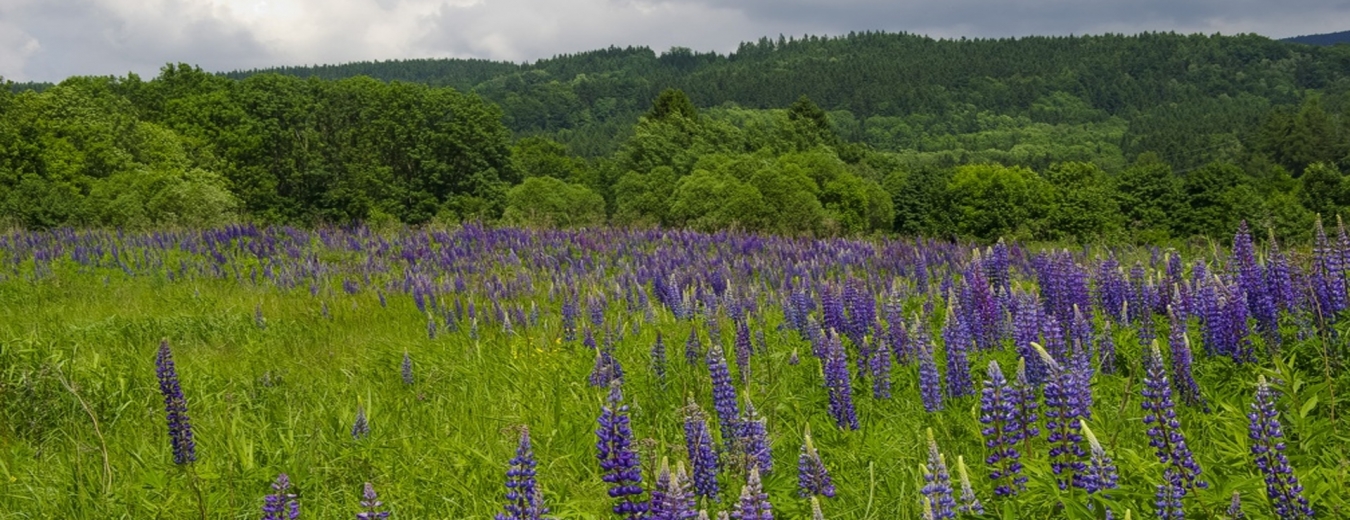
(412, 359)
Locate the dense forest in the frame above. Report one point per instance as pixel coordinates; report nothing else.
(1148, 137)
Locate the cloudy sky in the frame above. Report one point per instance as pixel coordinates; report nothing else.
(47, 40)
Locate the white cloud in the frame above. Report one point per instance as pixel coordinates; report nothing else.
(52, 39)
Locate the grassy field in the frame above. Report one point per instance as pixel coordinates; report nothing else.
(278, 346)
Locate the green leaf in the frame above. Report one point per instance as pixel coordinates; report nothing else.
(1307, 407)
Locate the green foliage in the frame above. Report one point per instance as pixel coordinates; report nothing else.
(546, 201)
(993, 201)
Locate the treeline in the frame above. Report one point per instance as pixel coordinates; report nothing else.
(1204, 132)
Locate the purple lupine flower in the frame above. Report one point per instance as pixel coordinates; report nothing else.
(588, 339)
(754, 503)
(812, 477)
(1062, 414)
(794, 359)
(1164, 433)
(1167, 499)
(1027, 319)
(671, 496)
(969, 505)
(956, 339)
(523, 498)
(724, 394)
(896, 333)
(1112, 290)
(1260, 301)
(407, 369)
(743, 349)
(699, 446)
(880, 367)
(1267, 436)
(1279, 278)
(1106, 349)
(569, 317)
(360, 426)
(658, 355)
(937, 487)
(1234, 510)
(606, 369)
(832, 310)
(281, 505)
(693, 347)
(839, 385)
(618, 460)
(1182, 378)
(1024, 401)
(753, 439)
(175, 407)
(998, 412)
(1100, 474)
(371, 505)
(930, 383)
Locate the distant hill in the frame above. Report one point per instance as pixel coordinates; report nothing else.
(1321, 39)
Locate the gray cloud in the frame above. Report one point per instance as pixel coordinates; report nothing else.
(52, 39)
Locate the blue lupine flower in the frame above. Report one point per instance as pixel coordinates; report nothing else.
(839, 385)
(743, 350)
(930, 383)
(618, 460)
(360, 427)
(1100, 474)
(1267, 436)
(1062, 413)
(1167, 499)
(879, 364)
(812, 477)
(693, 347)
(1183, 380)
(407, 369)
(175, 407)
(523, 498)
(1234, 510)
(658, 355)
(1164, 433)
(724, 394)
(1002, 432)
(956, 338)
(1024, 405)
(671, 496)
(699, 445)
(937, 487)
(281, 505)
(371, 505)
(754, 503)
(753, 439)
(969, 505)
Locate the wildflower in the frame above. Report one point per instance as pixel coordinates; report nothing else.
(724, 394)
(671, 496)
(371, 505)
(930, 383)
(956, 338)
(937, 488)
(754, 503)
(360, 427)
(753, 438)
(816, 514)
(618, 460)
(523, 498)
(1164, 431)
(692, 347)
(698, 444)
(1100, 474)
(1234, 510)
(969, 504)
(658, 355)
(175, 407)
(281, 505)
(1002, 431)
(407, 369)
(839, 385)
(1062, 414)
(812, 477)
(1267, 436)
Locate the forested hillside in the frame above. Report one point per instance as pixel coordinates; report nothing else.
(1145, 137)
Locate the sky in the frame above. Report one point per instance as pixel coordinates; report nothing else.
(49, 40)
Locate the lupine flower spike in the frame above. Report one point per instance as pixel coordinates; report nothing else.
(1234, 511)
(969, 504)
(371, 505)
(407, 369)
(937, 487)
(754, 503)
(281, 505)
(618, 460)
(360, 427)
(1267, 436)
(524, 501)
(812, 478)
(175, 407)
(1101, 473)
(816, 514)
(1002, 431)
(699, 446)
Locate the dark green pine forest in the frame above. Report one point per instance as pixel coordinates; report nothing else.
(1150, 137)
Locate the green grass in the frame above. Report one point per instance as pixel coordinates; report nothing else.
(439, 448)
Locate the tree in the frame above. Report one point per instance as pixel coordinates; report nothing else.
(1149, 197)
(672, 102)
(1083, 205)
(993, 201)
(547, 202)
